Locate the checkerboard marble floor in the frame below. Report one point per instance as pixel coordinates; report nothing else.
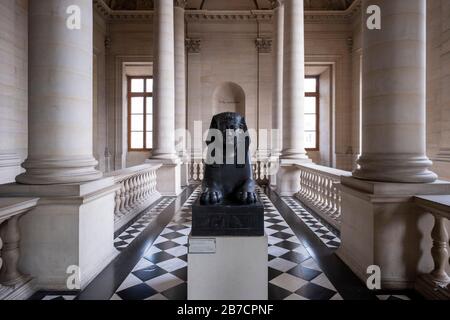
(162, 271)
(133, 231)
(326, 234)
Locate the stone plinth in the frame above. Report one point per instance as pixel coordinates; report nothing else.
(72, 226)
(235, 268)
(382, 226)
(228, 219)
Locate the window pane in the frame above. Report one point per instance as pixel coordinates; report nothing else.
(310, 85)
(149, 85)
(137, 105)
(149, 104)
(310, 122)
(149, 122)
(137, 85)
(310, 105)
(137, 123)
(149, 141)
(310, 140)
(137, 140)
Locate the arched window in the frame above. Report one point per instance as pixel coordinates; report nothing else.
(312, 107)
(140, 113)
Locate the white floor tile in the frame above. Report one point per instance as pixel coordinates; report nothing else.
(164, 282)
(288, 282)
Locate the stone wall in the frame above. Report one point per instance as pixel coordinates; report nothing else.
(438, 84)
(13, 87)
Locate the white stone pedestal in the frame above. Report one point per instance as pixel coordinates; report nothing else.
(288, 177)
(168, 177)
(382, 226)
(71, 226)
(237, 270)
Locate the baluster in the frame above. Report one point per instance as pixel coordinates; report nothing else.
(326, 194)
(123, 191)
(339, 204)
(147, 185)
(334, 207)
(323, 180)
(439, 251)
(135, 200)
(308, 185)
(131, 193)
(9, 232)
(196, 173)
(314, 188)
(117, 201)
(141, 187)
(127, 194)
(201, 171)
(330, 196)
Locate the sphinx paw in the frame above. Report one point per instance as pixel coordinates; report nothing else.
(211, 197)
(247, 197)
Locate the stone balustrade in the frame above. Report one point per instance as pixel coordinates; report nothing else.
(436, 284)
(137, 191)
(319, 190)
(196, 170)
(261, 171)
(13, 284)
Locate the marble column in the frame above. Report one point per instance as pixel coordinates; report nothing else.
(168, 177)
(394, 89)
(293, 81)
(164, 81)
(277, 90)
(444, 150)
(277, 95)
(180, 88)
(293, 152)
(60, 94)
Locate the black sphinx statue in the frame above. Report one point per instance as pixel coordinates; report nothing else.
(228, 204)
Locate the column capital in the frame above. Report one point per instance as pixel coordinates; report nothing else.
(193, 45)
(264, 45)
(180, 3)
(276, 3)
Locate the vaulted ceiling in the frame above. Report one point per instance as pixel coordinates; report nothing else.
(229, 4)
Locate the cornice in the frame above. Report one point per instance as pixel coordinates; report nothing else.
(225, 16)
(232, 16)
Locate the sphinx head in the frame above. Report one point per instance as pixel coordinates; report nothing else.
(228, 136)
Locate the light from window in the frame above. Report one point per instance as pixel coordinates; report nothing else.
(140, 113)
(312, 97)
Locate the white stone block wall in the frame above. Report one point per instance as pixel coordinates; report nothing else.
(13, 87)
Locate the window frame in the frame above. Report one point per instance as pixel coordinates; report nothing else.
(144, 95)
(317, 96)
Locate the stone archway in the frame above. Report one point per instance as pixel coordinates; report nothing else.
(229, 97)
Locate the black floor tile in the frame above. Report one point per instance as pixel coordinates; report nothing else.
(295, 257)
(281, 235)
(176, 293)
(287, 245)
(181, 273)
(167, 245)
(277, 293)
(138, 292)
(273, 273)
(315, 292)
(158, 257)
(278, 227)
(149, 273)
(172, 235)
(304, 273)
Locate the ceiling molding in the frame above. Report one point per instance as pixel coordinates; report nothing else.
(319, 16)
